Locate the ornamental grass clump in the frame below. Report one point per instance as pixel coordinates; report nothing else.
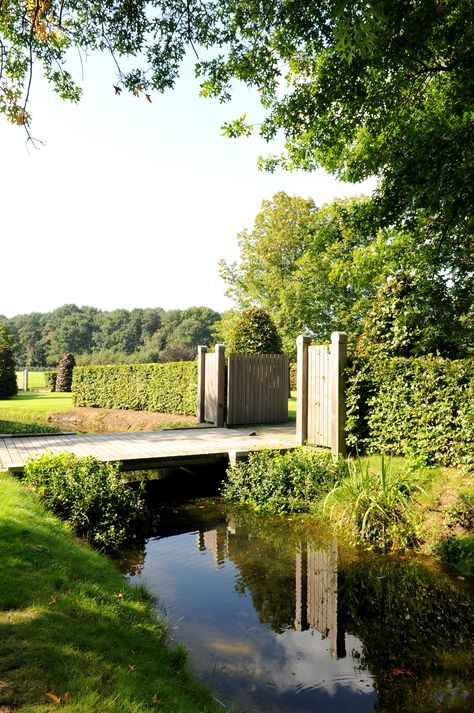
(282, 482)
(377, 507)
(91, 496)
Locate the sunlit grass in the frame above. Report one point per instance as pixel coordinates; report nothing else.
(35, 379)
(70, 624)
(30, 404)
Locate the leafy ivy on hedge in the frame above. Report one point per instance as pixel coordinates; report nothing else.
(420, 406)
(165, 388)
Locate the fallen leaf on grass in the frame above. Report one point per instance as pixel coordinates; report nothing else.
(57, 699)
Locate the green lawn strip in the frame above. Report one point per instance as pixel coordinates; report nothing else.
(29, 412)
(70, 623)
(25, 404)
(35, 379)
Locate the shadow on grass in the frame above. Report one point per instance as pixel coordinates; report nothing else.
(70, 623)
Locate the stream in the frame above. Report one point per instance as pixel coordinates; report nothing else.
(278, 617)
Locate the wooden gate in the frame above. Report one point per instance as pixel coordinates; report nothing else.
(211, 386)
(320, 415)
(257, 388)
(250, 388)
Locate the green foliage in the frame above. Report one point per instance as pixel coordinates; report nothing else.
(459, 553)
(376, 506)
(413, 316)
(255, 333)
(17, 427)
(64, 373)
(420, 406)
(8, 383)
(293, 377)
(116, 337)
(5, 336)
(166, 388)
(462, 511)
(91, 495)
(282, 482)
(50, 379)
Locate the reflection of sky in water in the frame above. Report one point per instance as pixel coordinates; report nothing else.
(246, 663)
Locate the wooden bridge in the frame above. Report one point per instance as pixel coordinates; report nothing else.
(153, 449)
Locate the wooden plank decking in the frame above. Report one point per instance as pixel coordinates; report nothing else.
(151, 449)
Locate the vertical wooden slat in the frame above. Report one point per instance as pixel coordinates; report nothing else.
(338, 407)
(201, 384)
(302, 345)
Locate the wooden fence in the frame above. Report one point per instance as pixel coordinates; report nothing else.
(320, 410)
(244, 389)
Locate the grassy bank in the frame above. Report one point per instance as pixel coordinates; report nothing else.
(379, 503)
(72, 629)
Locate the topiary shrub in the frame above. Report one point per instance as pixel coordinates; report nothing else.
(8, 383)
(64, 372)
(255, 333)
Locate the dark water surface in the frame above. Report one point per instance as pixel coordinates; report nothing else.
(279, 619)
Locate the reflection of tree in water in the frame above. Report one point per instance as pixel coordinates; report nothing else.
(416, 626)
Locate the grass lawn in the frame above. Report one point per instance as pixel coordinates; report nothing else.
(73, 631)
(35, 379)
(28, 412)
(292, 407)
(32, 404)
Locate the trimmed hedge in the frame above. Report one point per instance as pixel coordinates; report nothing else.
(50, 379)
(164, 388)
(423, 407)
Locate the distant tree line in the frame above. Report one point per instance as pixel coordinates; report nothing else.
(109, 337)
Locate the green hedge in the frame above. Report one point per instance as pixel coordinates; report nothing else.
(164, 388)
(420, 406)
(50, 379)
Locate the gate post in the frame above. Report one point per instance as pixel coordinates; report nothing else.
(302, 344)
(338, 410)
(220, 381)
(201, 383)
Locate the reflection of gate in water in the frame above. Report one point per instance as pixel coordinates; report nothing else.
(316, 604)
(316, 595)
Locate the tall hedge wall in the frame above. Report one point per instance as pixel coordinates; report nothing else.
(422, 406)
(165, 388)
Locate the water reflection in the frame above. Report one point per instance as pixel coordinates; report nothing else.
(278, 621)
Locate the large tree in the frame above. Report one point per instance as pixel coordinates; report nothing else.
(368, 87)
(317, 270)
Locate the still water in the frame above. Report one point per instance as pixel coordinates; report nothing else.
(279, 618)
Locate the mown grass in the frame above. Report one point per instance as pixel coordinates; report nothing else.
(70, 624)
(30, 412)
(35, 379)
(33, 404)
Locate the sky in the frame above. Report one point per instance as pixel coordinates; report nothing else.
(130, 203)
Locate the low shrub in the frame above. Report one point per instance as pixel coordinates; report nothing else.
(376, 507)
(282, 482)
(91, 495)
(164, 388)
(458, 552)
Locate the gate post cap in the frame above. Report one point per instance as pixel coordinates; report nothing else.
(303, 339)
(339, 337)
(220, 347)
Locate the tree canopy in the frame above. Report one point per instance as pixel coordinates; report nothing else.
(369, 87)
(109, 337)
(318, 270)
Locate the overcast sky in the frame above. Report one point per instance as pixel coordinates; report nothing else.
(131, 204)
